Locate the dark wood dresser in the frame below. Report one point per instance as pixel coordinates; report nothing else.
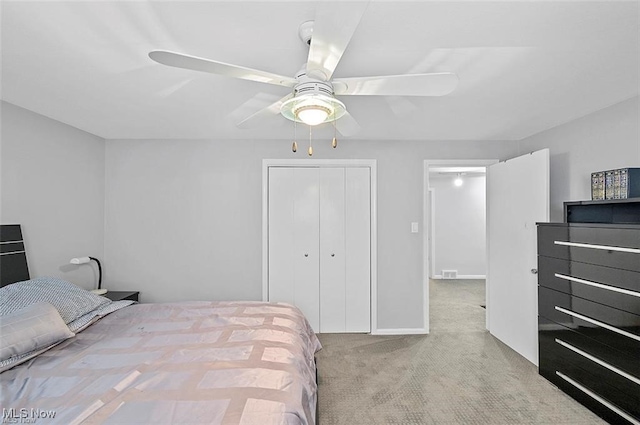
(589, 315)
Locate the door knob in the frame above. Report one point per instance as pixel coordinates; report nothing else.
(534, 271)
(306, 255)
(333, 255)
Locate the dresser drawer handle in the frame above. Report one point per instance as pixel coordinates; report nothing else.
(12, 252)
(598, 323)
(601, 247)
(598, 285)
(598, 361)
(599, 399)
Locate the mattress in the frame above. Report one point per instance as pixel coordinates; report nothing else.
(190, 362)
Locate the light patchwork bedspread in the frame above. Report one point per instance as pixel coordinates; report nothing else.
(196, 362)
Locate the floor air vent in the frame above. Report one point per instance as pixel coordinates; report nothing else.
(449, 274)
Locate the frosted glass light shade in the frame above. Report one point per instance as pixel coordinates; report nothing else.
(313, 109)
(313, 114)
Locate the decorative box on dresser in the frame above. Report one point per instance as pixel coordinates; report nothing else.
(589, 307)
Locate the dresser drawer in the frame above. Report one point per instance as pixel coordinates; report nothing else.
(622, 360)
(600, 375)
(605, 246)
(616, 328)
(579, 384)
(614, 287)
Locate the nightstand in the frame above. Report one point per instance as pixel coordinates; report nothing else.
(122, 295)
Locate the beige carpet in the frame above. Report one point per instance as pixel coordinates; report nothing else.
(458, 374)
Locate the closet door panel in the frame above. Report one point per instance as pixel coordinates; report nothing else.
(281, 246)
(293, 239)
(305, 261)
(319, 244)
(332, 250)
(358, 249)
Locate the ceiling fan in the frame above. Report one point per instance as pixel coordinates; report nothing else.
(312, 99)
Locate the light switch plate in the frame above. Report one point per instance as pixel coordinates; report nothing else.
(414, 227)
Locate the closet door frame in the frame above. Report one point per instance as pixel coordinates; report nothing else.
(346, 163)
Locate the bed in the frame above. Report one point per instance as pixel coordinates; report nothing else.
(128, 363)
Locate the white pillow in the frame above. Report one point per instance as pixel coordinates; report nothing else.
(31, 328)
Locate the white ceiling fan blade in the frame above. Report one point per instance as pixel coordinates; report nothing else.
(333, 28)
(252, 105)
(347, 125)
(269, 112)
(180, 60)
(401, 106)
(436, 84)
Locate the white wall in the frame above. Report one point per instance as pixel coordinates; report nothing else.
(459, 225)
(183, 218)
(603, 140)
(52, 182)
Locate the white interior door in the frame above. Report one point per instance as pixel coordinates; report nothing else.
(358, 249)
(517, 198)
(293, 239)
(345, 250)
(319, 244)
(333, 307)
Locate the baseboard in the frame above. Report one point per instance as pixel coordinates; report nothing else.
(461, 277)
(405, 331)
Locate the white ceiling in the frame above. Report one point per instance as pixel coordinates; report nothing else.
(524, 66)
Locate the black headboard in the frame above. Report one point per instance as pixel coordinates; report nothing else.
(13, 259)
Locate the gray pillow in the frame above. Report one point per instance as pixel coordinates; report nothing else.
(32, 328)
(70, 300)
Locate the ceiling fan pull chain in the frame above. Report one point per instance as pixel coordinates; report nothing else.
(310, 151)
(294, 146)
(334, 142)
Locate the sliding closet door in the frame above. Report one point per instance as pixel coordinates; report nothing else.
(293, 239)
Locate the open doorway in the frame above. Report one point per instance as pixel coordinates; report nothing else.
(455, 248)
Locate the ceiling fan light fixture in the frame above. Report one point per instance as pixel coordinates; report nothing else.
(313, 114)
(313, 109)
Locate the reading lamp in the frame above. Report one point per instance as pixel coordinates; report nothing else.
(84, 260)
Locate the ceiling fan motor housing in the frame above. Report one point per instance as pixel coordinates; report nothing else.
(313, 94)
(309, 87)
